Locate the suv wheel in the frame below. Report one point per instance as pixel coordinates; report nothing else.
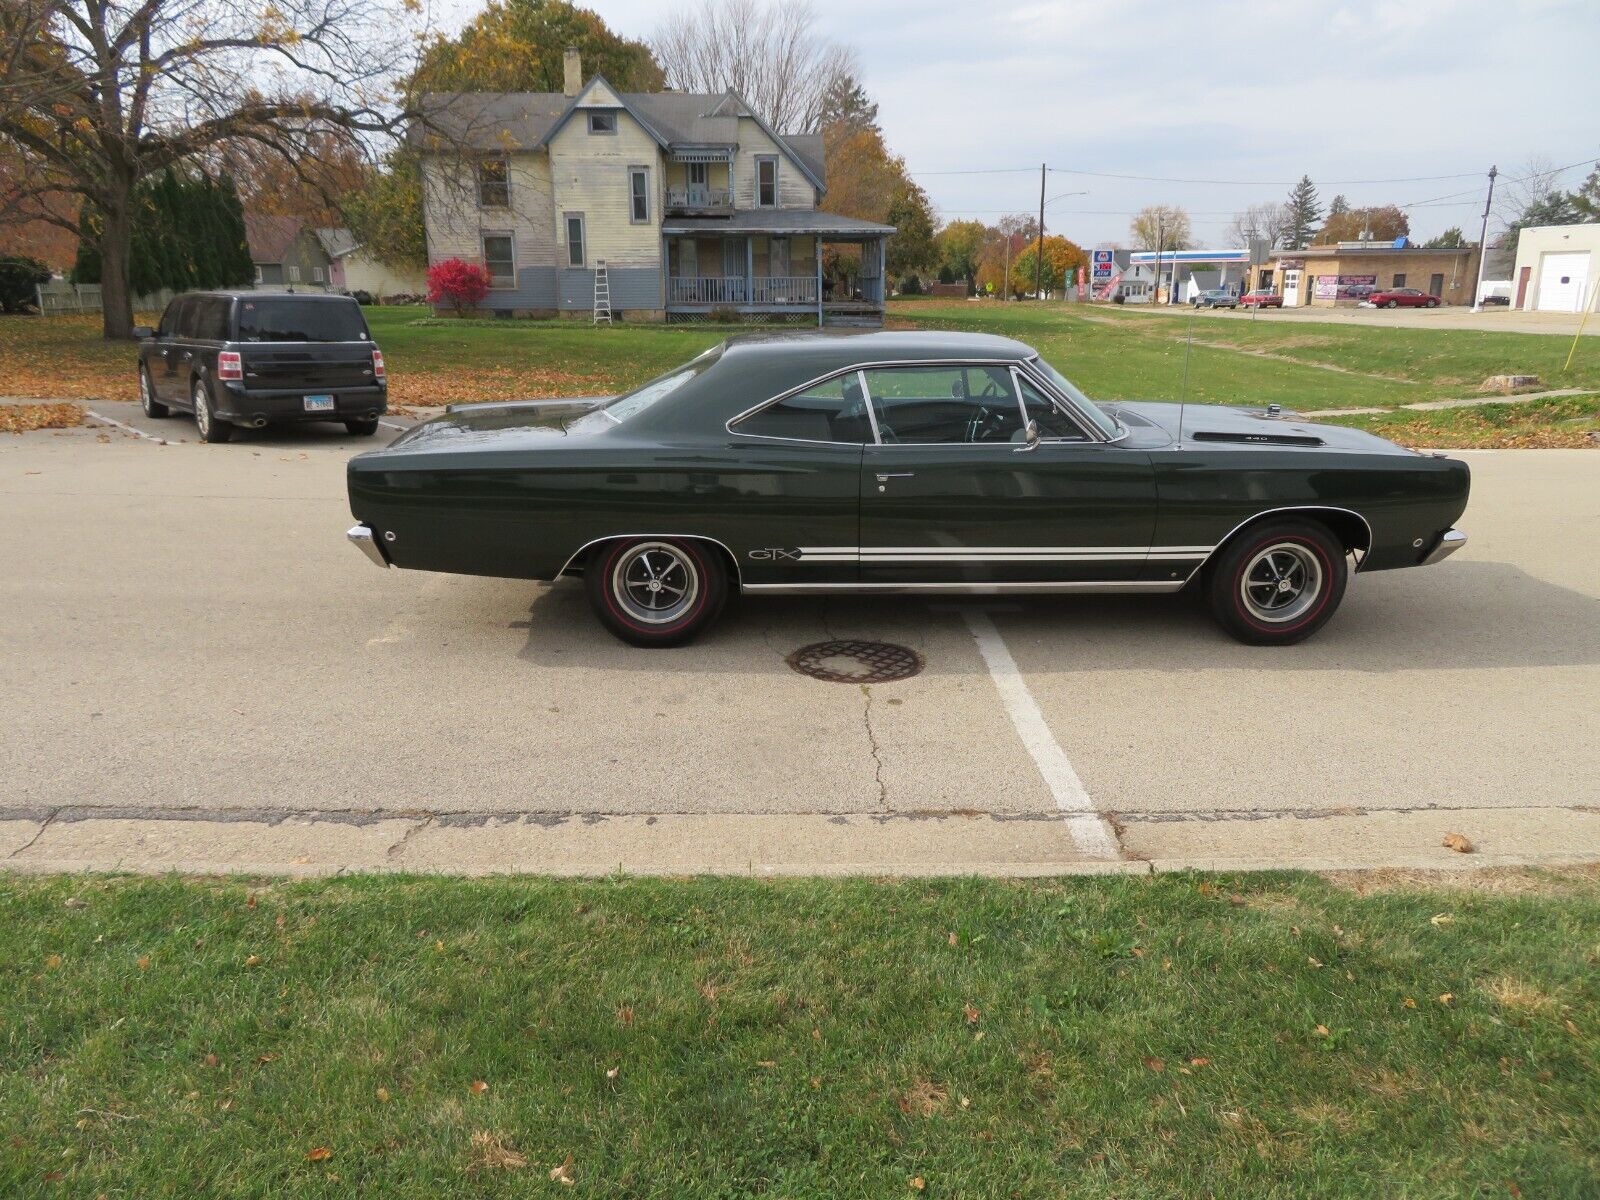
(1278, 583)
(147, 397)
(656, 591)
(212, 428)
(364, 428)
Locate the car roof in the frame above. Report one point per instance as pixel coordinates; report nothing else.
(825, 350)
(253, 294)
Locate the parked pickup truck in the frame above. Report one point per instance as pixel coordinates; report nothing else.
(261, 358)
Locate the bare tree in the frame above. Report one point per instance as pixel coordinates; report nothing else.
(1165, 223)
(1524, 188)
(1271, 222)
(767, 51)
(108, 92)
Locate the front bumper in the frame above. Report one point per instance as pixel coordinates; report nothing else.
(367, 542)
(1449, 542)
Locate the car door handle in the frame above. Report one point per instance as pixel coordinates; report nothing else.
(896, 475)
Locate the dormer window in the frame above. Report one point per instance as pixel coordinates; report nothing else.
(602, 122)
(494, 183)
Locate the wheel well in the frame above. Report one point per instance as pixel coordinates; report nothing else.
(1351, 530)
(580, 560)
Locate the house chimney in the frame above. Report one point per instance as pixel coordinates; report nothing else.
(572, 72)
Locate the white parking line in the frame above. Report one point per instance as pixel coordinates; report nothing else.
(149, 437)
(392, 425)
(1089, 831)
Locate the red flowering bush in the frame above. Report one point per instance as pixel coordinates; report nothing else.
(458, 283)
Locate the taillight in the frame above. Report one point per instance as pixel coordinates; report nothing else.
(230, 365)
(377, 364)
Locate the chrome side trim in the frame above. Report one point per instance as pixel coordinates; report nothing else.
(969, 589)
(617, 537)
(1452, 541)
(1267, 512)
(366, 542)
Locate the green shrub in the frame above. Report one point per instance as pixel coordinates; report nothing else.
(19, 276)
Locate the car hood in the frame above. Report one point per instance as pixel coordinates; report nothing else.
(503, 422)
(1205, 426)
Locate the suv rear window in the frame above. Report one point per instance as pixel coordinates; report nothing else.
(301, 321)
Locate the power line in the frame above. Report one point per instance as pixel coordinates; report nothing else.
(1175, 179)
(1552, 173)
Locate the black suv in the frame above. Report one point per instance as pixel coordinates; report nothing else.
(256, 358)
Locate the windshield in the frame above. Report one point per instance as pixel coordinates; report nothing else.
(631, 404)
(1091, 410)
(301, 321)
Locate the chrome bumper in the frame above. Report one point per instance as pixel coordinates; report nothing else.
(367, 542)
(1452, 541)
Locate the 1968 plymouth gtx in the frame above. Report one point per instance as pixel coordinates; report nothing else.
(900, 462)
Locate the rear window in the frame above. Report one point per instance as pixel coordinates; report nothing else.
(301, 321)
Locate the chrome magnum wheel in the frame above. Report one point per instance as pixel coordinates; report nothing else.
(656, 591)
(1277, 583)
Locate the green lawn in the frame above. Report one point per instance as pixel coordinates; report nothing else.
(1171, 1037)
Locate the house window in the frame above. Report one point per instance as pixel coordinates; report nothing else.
(258, 272)
(602, 122)
(494, 183)
(767, 181)
(638, 195)
(699, 175)
(293, 274)
(575, 240)
(500, 260)
(316, 274)
(1399, 281)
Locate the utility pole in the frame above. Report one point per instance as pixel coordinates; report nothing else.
(1038, 258)
(1483, 244)
(1155, 291)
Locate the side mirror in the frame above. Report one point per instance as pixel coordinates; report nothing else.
(1030, 437)
(143, 332)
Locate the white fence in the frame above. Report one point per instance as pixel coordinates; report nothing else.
(60, 298)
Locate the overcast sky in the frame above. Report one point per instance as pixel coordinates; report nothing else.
(1259, 91)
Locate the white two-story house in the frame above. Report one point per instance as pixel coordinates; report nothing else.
(691, 204)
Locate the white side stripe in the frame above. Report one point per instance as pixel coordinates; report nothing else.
(1088, 829)
(999, 553)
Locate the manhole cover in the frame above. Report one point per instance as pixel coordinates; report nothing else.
(856, 662)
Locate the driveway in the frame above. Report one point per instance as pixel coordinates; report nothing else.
(200, 674)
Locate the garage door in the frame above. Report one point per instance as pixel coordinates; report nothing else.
(1563, 282)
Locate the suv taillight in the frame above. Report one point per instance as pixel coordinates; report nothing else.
(377, 364)
(229, 365)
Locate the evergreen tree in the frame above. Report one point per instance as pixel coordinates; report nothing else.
(1304, 212)
(233, 250)
(1338, 207)
(1587, 198)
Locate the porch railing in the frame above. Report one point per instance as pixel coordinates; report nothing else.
(699, 197)
(763, 289)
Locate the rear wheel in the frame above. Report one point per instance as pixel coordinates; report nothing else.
(147, 397)
(1432, 304)
(1278, 583)
(364, 428)
(212, 428)
(1392, 304)
(656, 591)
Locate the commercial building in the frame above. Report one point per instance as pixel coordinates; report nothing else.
(1138, 277)
(1558, 268)
(1347, 272)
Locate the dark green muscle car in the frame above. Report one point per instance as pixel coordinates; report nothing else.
(900, 462)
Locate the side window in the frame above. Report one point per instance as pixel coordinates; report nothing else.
(494, 183)
(638, 195)
(183, 318)
(211, 319)
(1052, 422)
(500, 259)
(945, 404)
(832, 411)
(169, 318)
(575, 246)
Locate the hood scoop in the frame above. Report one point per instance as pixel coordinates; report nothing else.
(1257, 439)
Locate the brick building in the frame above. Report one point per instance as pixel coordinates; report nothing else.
(1345, 273)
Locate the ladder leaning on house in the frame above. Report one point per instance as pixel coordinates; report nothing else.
(602, 293)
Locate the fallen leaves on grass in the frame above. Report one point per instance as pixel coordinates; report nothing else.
(319, 1154)
(973, 1015)
(24, 418)
(1457, 842)
(490, 1153)
(479, 1087)
(922, 1099)
(1155, 1064)
(563, 1173)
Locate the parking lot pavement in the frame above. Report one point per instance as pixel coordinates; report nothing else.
(200, 673)
(1494, 319)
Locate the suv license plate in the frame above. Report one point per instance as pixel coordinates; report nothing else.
(319, 403)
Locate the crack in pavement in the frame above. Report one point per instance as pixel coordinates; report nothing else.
(37, 834)
(405, 837)
(877, 753)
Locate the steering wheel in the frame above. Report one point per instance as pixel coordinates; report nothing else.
(985, 424)
(990, 389)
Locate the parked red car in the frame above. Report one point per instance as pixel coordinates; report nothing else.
(1402, 298)
(1261, 300)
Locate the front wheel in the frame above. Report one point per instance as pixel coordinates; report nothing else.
(1392, 304)
(364, 428)
(1278, 583)
(1432, 304)
(147, 397)
(656, 591)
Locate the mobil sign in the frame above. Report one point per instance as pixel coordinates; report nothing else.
(1104, 264)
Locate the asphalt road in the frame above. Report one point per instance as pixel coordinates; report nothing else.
(188, 633)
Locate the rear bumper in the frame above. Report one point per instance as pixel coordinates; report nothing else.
(362, 537)
(235, 403)
(1449, 542)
